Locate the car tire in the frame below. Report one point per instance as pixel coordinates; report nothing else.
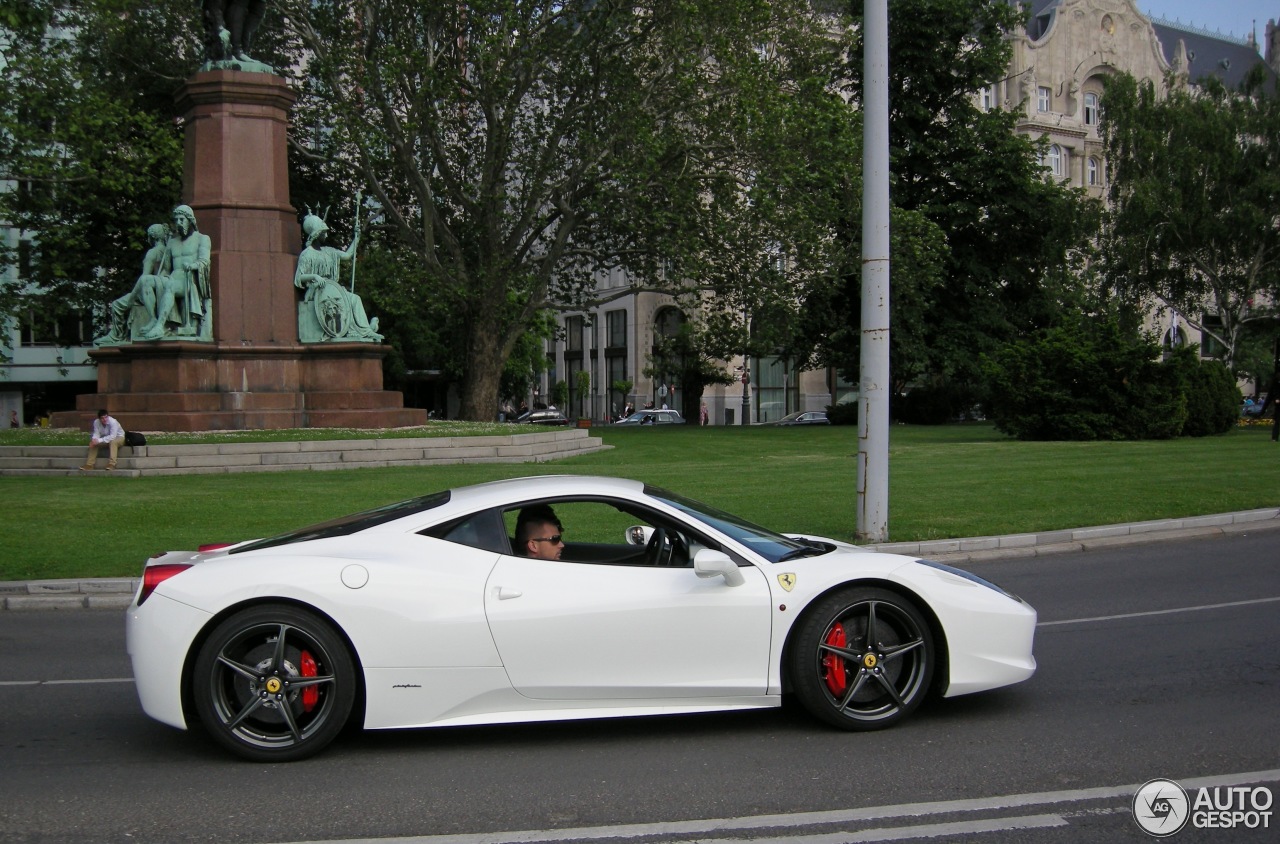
(274, 683)
(858, 682)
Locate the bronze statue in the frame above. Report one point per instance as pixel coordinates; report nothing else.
(328, 311)
(184, 303)
(229, 27)
(137, 308)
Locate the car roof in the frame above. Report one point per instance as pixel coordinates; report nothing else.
(540, 486)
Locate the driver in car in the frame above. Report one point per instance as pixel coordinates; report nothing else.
(538, 533)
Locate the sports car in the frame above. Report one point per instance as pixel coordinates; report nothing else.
(422, 613)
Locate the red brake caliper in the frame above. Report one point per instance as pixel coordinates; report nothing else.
(311, 694)
(833, 664)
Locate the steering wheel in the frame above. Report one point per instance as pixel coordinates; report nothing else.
(659, 548)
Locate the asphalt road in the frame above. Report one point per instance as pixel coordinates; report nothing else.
(1155, 661)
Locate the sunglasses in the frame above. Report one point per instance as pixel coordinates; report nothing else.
(554, 540)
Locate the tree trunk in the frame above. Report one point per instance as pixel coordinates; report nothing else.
(483, 379)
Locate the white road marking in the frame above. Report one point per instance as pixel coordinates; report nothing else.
(1159, 612)
(904, 833)
(749, 825)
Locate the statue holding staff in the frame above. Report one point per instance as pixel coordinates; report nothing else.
(329, 312)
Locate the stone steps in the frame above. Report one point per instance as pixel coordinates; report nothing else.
(314, 455)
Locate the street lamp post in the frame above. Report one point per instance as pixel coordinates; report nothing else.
(746, 383)
(873, 396)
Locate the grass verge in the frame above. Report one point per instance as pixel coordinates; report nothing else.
(950, 481)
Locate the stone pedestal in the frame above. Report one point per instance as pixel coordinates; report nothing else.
(255, 373)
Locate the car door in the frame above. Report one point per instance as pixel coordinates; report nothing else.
(584, 631)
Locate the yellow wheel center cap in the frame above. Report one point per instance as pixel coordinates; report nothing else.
(869, 660)
(274, 685)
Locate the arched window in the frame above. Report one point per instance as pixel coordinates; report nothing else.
(1094, 172)
(1054, 161)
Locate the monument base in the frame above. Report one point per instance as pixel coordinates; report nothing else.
(185, 386)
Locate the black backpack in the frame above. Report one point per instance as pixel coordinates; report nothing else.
(133, 439)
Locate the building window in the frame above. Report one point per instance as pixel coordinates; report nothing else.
(1054, 160)
(988, 98)
(1209, 345)
(1094, 172)
(74, 328)
(26, 256)
(1042, 98)
(616, 370)
(1091, 109)
(616, 329)
(573, 334)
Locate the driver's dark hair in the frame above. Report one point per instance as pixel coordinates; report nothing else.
(534, 514)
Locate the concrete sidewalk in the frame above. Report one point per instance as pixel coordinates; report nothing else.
(117, 593)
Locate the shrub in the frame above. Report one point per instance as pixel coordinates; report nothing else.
(1090, 378)
(845, 413)
(1213, 399)
(934, 404)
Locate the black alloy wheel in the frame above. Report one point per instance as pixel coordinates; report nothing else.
(863, 659)
(274, 683)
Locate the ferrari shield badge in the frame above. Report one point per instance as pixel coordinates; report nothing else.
(787, 580)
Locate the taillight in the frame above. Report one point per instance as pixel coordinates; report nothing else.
(153, 576)
(214, 546)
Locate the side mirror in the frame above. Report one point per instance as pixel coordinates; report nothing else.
(708, 563)
(638, 535)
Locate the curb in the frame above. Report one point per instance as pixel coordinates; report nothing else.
(100, 593)
(116, 593)
(1012, 546)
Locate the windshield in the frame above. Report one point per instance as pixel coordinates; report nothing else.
(346, 525)
(774, 547)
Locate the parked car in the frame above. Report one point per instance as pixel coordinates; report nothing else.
(548, 416)
(652, 417)
(421, 614)
(805, 417)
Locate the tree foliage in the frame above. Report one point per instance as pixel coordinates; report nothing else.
(517, 147)
(1096, 376)
(1194, 178)
(977, 230)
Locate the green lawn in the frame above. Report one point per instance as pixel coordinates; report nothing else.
(949, 481)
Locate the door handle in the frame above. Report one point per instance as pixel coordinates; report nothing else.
(505, 594)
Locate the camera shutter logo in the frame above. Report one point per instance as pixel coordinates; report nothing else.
(1161, 808)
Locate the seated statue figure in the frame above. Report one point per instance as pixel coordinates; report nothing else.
(329, 312)
(137, 308)
(184, 303)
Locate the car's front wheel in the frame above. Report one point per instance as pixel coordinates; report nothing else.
(274, 683)
(863, 658)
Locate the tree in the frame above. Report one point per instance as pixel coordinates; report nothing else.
(517, 146)
(1194, 176)
(977, 228)
(1092, 376)
(684, 359)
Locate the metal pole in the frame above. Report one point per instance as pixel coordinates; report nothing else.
(873, 397)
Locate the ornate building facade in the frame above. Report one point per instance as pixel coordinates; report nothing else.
(1055, 81)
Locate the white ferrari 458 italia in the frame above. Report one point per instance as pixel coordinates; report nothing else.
(552, 598)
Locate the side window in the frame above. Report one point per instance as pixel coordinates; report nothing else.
(608, 532)
(479, 530)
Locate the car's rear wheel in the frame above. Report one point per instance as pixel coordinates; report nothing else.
(863, 659)
(274, 683)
